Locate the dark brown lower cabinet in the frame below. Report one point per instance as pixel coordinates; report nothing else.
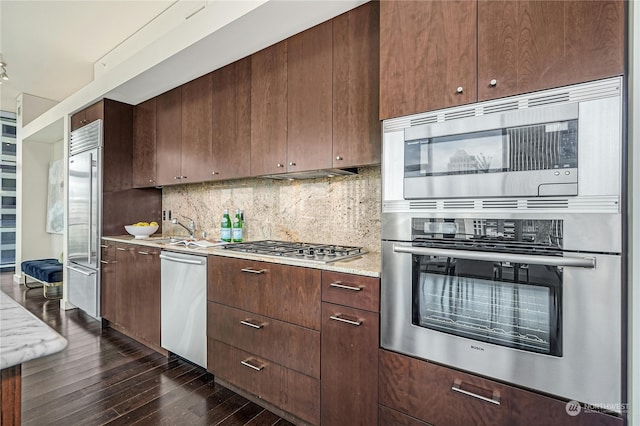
(147, 294)
(108, 280)
(285, 388)
(349, 385)
(131, 290)
(443, 396)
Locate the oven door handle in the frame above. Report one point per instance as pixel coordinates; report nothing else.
(581, 262)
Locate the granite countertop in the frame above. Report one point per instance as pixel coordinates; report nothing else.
(23, 336)
(368, 264)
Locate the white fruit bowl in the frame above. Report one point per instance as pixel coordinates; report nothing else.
(140, 232)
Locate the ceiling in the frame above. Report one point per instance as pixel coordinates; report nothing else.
(55, 48)
(50, 47)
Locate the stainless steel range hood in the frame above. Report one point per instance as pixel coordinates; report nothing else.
(313, 174)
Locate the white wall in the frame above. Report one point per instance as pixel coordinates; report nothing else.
(32, 172)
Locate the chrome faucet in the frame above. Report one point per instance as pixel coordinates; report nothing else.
(191, 228)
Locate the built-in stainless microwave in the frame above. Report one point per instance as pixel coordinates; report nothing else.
(556, 143)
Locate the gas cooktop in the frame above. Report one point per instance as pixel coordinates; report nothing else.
(315, 253)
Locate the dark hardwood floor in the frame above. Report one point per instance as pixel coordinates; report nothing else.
(104, 377)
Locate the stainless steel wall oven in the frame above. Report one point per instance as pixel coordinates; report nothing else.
(502, 240)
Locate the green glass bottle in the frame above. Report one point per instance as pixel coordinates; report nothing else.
(225, 227)
(237, 225)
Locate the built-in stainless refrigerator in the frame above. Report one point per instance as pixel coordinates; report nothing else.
(84, 197)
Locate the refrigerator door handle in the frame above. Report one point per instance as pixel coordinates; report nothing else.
(90, 208)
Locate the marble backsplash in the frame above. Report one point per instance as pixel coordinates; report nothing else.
(340, 210)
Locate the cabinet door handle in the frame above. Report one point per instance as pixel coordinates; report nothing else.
(104, 262)
(144, 252)
(215, 173)
(457, 387)
(177, 177)
(338, 284)
(292, 163)
(121, 249)
(459, 90)
(104, 246)
(493, 83)
(252, 364)
(345, 319)
(338, 158)
(279, 165)
(252, 323)
(254, 271)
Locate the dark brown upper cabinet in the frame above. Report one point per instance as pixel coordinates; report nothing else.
(428, 49)
(231, 121)
(87, 115)
(269, 110)
(526, 46)
(169, 137)
(309, 102)
(357, 130)
(184, 133)
(427, 55)
(197, 125)
(144, 144)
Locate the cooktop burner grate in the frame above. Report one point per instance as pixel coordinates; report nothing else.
(316, 253)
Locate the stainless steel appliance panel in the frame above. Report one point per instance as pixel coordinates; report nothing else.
(589, 369)
(84, 289)
(589, 232)
(184, 305)
(84, 223)
(84, 196)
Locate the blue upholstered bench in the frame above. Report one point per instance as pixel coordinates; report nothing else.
(45, 271)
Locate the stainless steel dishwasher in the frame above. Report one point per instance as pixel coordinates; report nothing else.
(184, 305)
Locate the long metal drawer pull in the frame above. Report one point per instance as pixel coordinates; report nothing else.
(254, 271)
(457, 388)
(104, 246)
(81, 271)
(104, 261)
(121, 249)
(338, 284)
(251, 364)
(251, 323)
(341, 318)
(179, 260)
(582, 262)
(143, 252)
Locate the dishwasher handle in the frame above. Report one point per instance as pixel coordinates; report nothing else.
(181, 260)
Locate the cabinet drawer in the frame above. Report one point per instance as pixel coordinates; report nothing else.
(287, 293)
(287, 389)
(351, 290)
(290, 345)
(424, 390)
(388, 416)
(444, 396)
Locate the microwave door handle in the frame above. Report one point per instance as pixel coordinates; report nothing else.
(581, 262)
